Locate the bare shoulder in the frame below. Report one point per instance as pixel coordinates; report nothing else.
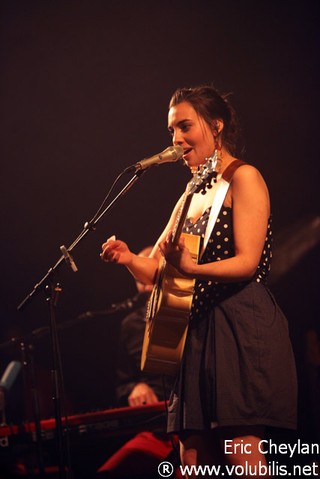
(248, 187)
(247, 172)
(247, 175)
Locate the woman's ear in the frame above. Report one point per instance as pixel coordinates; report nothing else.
(217, 127)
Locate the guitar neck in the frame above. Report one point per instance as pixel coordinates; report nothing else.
(181, 218)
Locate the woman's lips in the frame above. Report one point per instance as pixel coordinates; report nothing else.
(186, 153)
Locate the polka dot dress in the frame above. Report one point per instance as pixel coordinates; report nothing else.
(237, 366)
(220, 246)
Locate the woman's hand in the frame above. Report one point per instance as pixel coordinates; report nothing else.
(116, 251)
(178, 255)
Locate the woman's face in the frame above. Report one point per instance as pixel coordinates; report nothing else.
(190, 131)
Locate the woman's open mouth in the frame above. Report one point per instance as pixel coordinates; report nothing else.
(186, 152)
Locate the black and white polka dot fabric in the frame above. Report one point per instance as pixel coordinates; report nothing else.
(237, 356)
(220, 246)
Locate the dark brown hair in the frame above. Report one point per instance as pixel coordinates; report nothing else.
(211, 105)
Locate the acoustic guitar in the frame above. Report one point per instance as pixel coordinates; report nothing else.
(168, 311)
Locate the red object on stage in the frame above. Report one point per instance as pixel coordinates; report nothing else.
(126, 420)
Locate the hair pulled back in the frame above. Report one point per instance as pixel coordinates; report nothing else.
(211, 105)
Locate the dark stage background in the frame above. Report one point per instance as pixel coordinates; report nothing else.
(84, 93)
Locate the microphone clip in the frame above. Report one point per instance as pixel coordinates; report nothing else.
(68, 258)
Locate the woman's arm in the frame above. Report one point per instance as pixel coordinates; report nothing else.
(143, 269)
(251, 210)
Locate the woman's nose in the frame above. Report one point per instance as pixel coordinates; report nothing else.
(177, 138)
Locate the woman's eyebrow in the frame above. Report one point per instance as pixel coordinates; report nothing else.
(179, 123)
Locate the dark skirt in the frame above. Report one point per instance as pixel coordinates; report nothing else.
(238, 367)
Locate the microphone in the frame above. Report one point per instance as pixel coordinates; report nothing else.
(7, 380)
(169, 155)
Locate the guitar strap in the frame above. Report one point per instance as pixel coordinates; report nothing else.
(221, 187)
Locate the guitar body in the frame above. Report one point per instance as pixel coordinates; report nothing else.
(168, 316)
(168, 313)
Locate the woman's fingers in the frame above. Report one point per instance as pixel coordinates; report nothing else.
(109, 252)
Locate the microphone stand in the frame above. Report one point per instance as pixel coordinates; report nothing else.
(52, 290)
(88, 226)
(29, 379)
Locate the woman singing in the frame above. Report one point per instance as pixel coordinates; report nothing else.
(237, 374)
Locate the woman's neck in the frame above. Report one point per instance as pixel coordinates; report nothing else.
(224, 160)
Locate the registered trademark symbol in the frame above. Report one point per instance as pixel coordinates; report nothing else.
(165, 469)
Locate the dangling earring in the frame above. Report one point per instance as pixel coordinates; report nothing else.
(217, 158)
(219, 153)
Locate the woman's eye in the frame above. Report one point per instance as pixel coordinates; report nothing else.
(185, 126)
